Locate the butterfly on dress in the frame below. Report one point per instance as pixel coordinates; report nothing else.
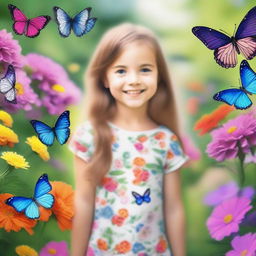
(144, 198)
(226, 48)
(23, 25)
(61, 131)
(7, 85)
(30, 206)
(80, 24)
(239, 97)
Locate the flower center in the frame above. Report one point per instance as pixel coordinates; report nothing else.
(231, 129)
(228, 218)
(58, 88)
(52, 251)
(244, 253)
(19, 88)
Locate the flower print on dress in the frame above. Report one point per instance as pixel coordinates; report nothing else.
(120, 217)
(161, 245)
(106, 212)
(145, 232)
(141, 176)
(109, 184)
(123, 247)
(137, 247)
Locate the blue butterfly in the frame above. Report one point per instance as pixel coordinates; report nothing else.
(140, 199)
(238, 97)
(7, 85)
(80, 24)
(61, 130)
(30, 206)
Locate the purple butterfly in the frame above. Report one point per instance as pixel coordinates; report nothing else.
(23, 25)
(226, 48)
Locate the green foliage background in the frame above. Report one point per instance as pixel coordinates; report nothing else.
(189, 60)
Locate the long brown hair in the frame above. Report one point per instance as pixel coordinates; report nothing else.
(100, 104)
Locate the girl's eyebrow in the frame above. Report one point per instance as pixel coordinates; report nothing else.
(119, 66)
(142, 65)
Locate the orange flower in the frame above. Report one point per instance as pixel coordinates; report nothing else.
(136, 181)
(45, 214)
(139, 161)
(142, 138)
(118, 220)
(102, 244)
(160, 136)
(10, 219)
(137, 172)
(209, 121)
(169, 154)
(123, 213)
(123, 247)
(63, 206)
(161, 245)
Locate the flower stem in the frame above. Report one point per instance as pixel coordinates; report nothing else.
(2, 175)
(241, 175)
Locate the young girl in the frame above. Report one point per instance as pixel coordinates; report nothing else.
(127, 153)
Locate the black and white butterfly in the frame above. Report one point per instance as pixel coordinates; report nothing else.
(7, 85)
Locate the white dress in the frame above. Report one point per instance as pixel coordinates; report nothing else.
(128, 218)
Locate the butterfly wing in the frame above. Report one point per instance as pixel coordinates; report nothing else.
(236, 97)
(90, 24)
(79, 22)
(248, 77)
(35, 25)
(63, 20)
(146, 196)
(61, 128)
(138, 197)
(41, 194)
(7, 85)
(19, 18)
(44, 132)
(32, 211)
(224, 50)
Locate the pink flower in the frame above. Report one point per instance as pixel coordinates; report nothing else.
(138, 146)
(243, 245)
(109, 184)
(59, 90)
(227, 216)
(236, 133)
(144, 176)
(80, 147)
(10, 50)
(55, 248)
(90, 252)
(190, 149)
(118, 163)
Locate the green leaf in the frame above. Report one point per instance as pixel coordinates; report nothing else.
(116, 172)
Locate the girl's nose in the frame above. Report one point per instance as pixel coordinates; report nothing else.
(133, 79)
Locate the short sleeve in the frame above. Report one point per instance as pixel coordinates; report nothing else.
(81, 142)
(175, 157)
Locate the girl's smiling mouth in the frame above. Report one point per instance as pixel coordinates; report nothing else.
(134, 92)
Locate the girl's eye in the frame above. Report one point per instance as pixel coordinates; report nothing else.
(120, 71)
(145, 70)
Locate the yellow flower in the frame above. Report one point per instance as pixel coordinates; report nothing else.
(58, 88)
(7, 136)
(14, 159)
(38, 147)
(24, 250)
(73, 67)
(19, 88)
(6, 118)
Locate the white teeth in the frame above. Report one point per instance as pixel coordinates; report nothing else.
(134, 92)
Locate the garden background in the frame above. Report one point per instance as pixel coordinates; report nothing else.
(194, 73)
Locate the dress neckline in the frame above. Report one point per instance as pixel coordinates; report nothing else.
(132, 131)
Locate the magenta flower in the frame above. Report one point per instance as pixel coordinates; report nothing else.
(190, 149)
(10, 50)
(227, 191)
(55, 248)
(227, 216)
(58, 90)
(243, 245)
(25, 95)
(239, 132)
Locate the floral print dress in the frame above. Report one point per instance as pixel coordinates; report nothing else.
(128, 218)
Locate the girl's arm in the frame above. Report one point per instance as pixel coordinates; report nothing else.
(174, 213)
(84, 209)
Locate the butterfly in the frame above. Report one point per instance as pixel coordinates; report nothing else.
(239, 97)
(23, 25)
(46, 133)
(80, 24)
(7, 85)
(140, 199)
(30, 206)
(226, 48)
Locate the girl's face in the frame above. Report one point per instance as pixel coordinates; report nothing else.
(132, 77)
